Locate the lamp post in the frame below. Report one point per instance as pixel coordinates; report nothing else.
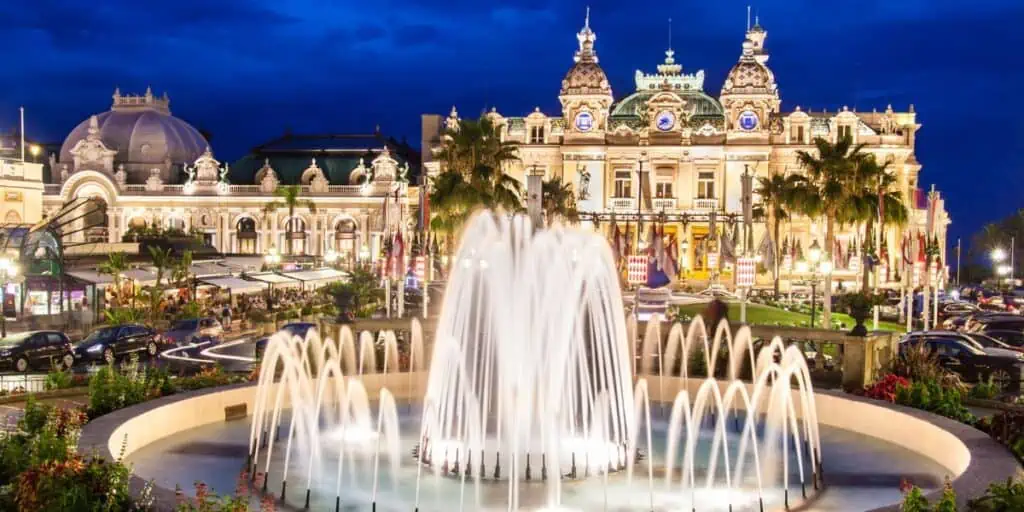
(998, 256)
(8, 271)
(272, 260)
(818, 268)
(330, 258)
(35, 150)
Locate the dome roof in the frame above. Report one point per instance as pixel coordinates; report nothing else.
(586, 77)
(697, 103)
(750, 74)
(142, 131)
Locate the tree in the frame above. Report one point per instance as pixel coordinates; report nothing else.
(474, 160)
(181, 271)
(778, 196)
(827, 193)
(115, 265)
(558, 200)
(873, 182)
(359, 296)
(162, 261)
(288, 197)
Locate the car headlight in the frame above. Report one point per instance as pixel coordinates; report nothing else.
(94, 348)
(5, 353)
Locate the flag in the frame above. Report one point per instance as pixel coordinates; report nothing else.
(906, 250)
(424, 207)
(616, 242)
(767, 251)
(921, 248)
(671, 263)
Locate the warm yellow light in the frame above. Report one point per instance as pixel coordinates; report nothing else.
(35, 149)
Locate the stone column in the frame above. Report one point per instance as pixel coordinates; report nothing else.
(534, 196)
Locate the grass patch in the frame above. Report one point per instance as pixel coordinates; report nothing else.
(759, 314)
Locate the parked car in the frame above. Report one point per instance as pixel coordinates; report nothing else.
(1008, 336)
(961, 355)
(988, 342)
(185, 332)
(982, 323)
(36, 349)
(294, 329)
(106, 344)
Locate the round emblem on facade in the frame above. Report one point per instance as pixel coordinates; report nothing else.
(747, 120)
(665, 121)
(584, 121)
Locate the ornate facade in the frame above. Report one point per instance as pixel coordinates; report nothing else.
(160, 172)
(669, 154)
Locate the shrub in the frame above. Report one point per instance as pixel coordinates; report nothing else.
(999, 497)
(914, 500)
(886, 388)
(76, 483)
(110, 390)
(984, 390)
(58, 378)
(307, 310)
(1007, 427)
(208, 376)
(930, 395)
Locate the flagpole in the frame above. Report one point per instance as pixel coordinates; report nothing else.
(958, 262)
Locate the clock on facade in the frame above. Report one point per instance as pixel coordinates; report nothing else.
(665, 120)
(747, 120)
(584, 121)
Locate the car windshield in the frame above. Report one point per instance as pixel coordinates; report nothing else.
(15, 339)
(101, 335)
(976, 347)
(186, 325)
(986, 341)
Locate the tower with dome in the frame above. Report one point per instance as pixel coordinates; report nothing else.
(671, 156)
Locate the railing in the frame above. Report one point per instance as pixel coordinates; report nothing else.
(373, 190)
(663, 203)
(705, 203)
(623, 203)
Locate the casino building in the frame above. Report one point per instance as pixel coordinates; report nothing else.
(151, 169)
(670, 154)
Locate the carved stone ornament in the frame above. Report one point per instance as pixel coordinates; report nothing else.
(154, 183)
(385, 168)
(207, 168)
(314, 177)
(359, 175)
(64, 173)
(121, 177)
(91, 152)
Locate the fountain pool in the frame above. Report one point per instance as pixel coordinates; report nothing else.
(537, 394)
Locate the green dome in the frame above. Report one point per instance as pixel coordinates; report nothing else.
(697, 103)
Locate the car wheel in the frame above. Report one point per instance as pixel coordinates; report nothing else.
(151, 349)
(21, 364)
(108, 355)
(1001, 378)
(68, 360)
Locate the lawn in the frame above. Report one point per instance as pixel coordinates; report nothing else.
(758, 314)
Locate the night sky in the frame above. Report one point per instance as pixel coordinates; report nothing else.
(245, 70)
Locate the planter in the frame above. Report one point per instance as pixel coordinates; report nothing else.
(860, 329)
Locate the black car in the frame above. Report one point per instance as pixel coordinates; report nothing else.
(970, 362)
(1013, 338)
(294, 329)
(106, 344)
(1001, 322)
(36, 349)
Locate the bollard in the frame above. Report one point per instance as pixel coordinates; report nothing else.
(284, 489)
(543, 466)
(306, 507)
(527, 467)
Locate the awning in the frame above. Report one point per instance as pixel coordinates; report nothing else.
(243, 263)
(207, 269)
(317, 277)
(236, 285)
(92, 277)
(277, 280)
(142, 276)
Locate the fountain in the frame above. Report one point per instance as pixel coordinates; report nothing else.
(531, 390)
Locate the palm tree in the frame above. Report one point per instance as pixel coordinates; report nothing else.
(778, 196)
(289, 197)
(870, 183)
(474, 159)
(828, 192)
(115, 265)
(558, 200)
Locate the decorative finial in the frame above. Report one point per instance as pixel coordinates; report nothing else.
(266, 162)
(748, 18)
(911, 108)
(94, 125)
(586, 21)
(314, 162)
(149, 92)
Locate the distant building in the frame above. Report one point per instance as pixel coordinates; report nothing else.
(153, 169)
(670, 155)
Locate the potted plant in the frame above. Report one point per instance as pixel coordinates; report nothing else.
(307, 313)
(858, 305)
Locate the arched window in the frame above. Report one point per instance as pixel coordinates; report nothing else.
(12, 217)
(295, 231)
(246, 232)
(95, 220)
(345, 239)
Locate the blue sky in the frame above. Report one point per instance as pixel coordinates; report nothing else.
(245, 70)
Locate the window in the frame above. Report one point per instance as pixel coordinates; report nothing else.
(845, 131)
(623, 184)
(536, 135)
(663, 190)
(54, 338)
(706, 185)
(799, 135)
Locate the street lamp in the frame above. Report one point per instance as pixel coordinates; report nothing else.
(998, 254)
(8, 271)
(35, 150)
(818, 269)
(272, 258)
(330, 257)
